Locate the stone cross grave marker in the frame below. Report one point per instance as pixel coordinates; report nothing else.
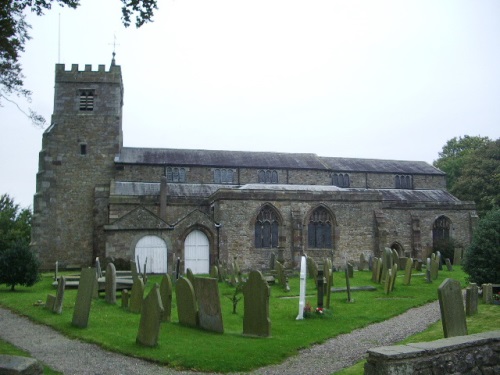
(209, 309)
(151, 317)
(408, 270)
(256, 294)
(452, 308)
(136, 296)
(84, 296)
(471, 299)
(187, 309)
(166, 297)
(58, 303)
(302, 292)
(110, 284)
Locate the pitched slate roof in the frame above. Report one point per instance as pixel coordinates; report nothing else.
(382, 166)
(217, 158)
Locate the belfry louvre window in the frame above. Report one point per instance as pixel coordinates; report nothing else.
(266, 228)
(320, 229)
(267, 176)
(86, 100)
(341, 180)
(223, 176)
(403, 182)
(176, 174)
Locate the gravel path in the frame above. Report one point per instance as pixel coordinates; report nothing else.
(71, 356)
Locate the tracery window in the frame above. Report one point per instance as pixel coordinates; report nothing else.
(267, 176)
(341, 180)
(441, 229)
(86, 100)
(266, 228)
(223, 176)
(403, 182)
(175, 174)
(319, 229)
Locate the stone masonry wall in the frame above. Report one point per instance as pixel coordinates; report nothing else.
(474, 354)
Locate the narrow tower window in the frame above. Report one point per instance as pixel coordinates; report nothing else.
(83, 149)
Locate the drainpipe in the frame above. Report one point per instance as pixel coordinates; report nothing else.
(163, 198)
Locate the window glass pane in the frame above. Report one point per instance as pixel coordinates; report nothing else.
(274, 234)
(262, 177)
(169, 174)
(268, 177)
(266, 234)
(182, 175)
(274, 178)
(230, 176)
(347, 180)
(217, 176)
(311, 234)
(176, 175)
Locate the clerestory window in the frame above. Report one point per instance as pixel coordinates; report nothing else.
(341, 180)
(175, 174)
(267, 176)
(223, 176)
(403, 182)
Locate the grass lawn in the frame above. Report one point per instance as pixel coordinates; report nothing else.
(8, 349)
(188, 348)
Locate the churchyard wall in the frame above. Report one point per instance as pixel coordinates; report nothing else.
(472, 354)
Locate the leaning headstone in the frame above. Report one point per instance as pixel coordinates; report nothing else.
(302, 293)
(133, 270)
(488, 293)
(110, 283)
(471, 299)
(84, 296)
(125, 299)
(209, 309)
(395, 257)
(136, 296)
(166, 297)
(408, 269)
(58, 303)
(187, 310)
(452, 308)
(98, 270)
(151, 316)
(256, 294)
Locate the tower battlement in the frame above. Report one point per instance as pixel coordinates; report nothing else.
(113, 75)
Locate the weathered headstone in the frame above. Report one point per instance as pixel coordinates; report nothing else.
(350, 270)
(98, 270)
(110, 283)
(363, 264)
(177, 268)
(448, 264)
(190, 275)
(471, 299)
(348, 286)
(428, 278)
(320, 287)
(187, 309)
(272, 261)
(312, 268)
(166, 297)
(302, 292)
(408, 270)
(386, 263)
(402, 263)
(84, 296)
(394, 274)
(439, 259)
(58, 303)
(133, 270)
(209, 309)
(136, 296)
(452, 308)
(328, 274)
(214, 272)
(418, 265)
(50, 302)
(387, 282)
(457, 256)
(434, 268)
(395, 257)
(488, 293)
(256, 293)
(125, 299)
(151, 317)
(280, 273)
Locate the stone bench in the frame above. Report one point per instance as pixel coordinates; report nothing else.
(13, 365)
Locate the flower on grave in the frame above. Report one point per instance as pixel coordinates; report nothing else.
(496, 297)
(307, 308)
(319, 310)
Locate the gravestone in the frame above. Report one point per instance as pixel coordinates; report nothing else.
(177, 268)
(256, 294)
(418, 265)
(448, 264)
(166, 297)
(58, 303)
(395, 257)
(151, 317)
(320, 288)
(209, 309)
(350, 270)
(214, 272)
(302, 292)
(110, 284)
(280, 273)
(136, 296)
(133, 270)
(452, 308)
(362, 262)
(370, 262)
(402, 263)
(190, 276)
(19, 365)
(125, 299)
(98, 270)
(312, 268)
(408, 270)
(387, 282)
(187, 310)
(439, 259)
(393, 276)
(428, 278)
(434, 267)
(84, 296)
(348, 286)
(272, 261)
(488, 293)
(471, 299)
(386, 263)
(328, 274)
(50, 302)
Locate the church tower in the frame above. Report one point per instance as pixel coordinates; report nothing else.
(76, 164)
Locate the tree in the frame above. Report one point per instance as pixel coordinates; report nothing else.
(14, 34)
(15, 223)
(19, 265)
(482, 258)
(453, 156)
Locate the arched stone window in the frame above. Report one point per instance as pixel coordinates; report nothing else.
(266, 228)
(403, 182)
(320, 229)
(223, 176)
(268, 176)
(176, 174)
(441, 229)
(341, 180)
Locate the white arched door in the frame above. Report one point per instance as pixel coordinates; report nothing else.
(155, 250)
(196, 252)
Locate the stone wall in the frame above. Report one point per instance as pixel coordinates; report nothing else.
(473, 354)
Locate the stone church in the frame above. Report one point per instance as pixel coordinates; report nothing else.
(97, 198)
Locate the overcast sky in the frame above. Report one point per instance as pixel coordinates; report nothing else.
(367, 79)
